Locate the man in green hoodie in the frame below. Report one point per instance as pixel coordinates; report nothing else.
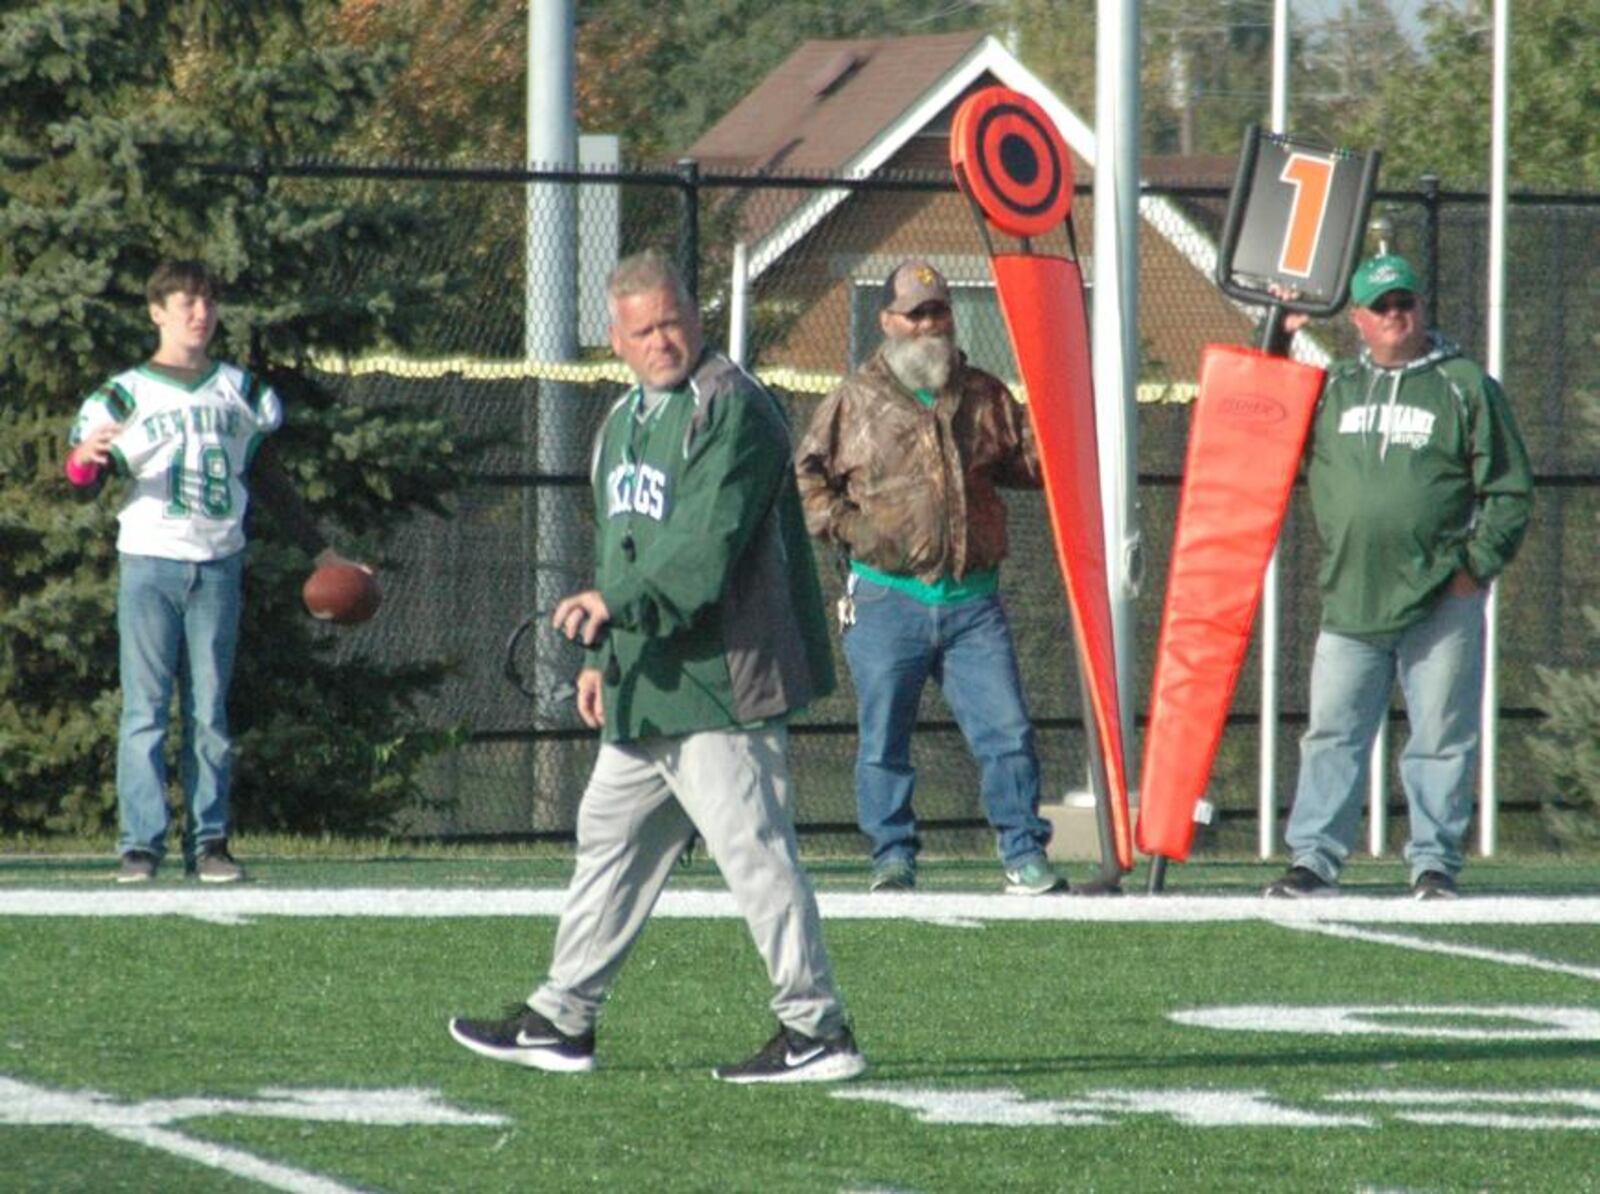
(705, 630)
(1421, 491)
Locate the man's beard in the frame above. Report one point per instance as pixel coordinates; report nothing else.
(921, 362)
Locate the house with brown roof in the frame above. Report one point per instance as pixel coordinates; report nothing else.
(879, 110)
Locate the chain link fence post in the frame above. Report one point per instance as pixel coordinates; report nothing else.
(1430, 239)
(689, 228)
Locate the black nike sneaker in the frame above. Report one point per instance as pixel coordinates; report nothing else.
(792, 1056)
(525, 1037)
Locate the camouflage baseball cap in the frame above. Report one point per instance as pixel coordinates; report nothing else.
(911, 284)
(1377, 276)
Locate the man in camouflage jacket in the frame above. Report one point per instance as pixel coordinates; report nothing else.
(899, 471)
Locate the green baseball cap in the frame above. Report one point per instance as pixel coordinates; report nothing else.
(1377, 276)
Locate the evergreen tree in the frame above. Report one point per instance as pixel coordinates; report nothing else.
(1569, 746)
(108, 114)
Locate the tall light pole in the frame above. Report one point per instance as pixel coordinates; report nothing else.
(1267, 753)
(551, 328)
(1488, 791)
(558, 557)
(1115, 298)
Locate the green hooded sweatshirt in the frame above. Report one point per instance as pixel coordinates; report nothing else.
(1414, 472)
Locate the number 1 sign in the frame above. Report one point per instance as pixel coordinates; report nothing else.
(1295, 222)
(1294, 227)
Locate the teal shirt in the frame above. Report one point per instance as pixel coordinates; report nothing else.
(947, 590)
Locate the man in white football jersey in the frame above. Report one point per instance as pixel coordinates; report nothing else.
(186, 431)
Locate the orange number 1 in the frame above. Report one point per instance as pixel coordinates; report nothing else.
(1310, 177)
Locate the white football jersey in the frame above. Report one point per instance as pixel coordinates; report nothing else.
(187, 448)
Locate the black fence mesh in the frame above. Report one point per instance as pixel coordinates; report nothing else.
(503, 358)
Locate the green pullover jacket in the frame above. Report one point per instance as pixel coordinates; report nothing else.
(703, 561)
(1414, 473)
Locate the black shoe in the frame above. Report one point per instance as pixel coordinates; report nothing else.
(216, 865)
(894, 874)
(525, 1037)
(792, 1056)
(138, 866)
(1434, 885)
(1300, 883)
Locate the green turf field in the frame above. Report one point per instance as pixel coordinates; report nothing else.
(289, 1034)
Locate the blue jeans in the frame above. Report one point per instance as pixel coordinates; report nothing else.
(179, 624)
(1439, 662)
(895, 645)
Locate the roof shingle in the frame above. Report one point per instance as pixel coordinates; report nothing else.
(827, 101)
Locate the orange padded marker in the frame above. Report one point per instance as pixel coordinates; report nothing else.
(1247, 432)
(1042, 298)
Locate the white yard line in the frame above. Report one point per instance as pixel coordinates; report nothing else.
(1476, 952)
(150, 1123)
(232, 1160)
(236, 905)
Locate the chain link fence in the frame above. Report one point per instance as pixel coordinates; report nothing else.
(815, 252)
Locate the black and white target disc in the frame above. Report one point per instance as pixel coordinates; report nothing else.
(1011, 159)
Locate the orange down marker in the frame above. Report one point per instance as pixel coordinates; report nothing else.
(1245, 438)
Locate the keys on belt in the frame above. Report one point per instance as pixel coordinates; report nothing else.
(845, 607)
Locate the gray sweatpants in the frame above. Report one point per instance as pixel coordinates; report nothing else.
(643, 802)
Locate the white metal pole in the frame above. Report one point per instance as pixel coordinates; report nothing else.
(1280, 66)
(1115, 336)
(1489, 795)
(553, 428)
(1378, 788)
(1267, 763)
(739, 303)
(552, 236)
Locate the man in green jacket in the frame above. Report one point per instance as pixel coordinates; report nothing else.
(1421, 490)
(705, 630)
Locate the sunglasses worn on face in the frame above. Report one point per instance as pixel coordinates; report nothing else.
(927, 312)
(1393, 302)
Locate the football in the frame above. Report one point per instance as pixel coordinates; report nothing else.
(341, 593)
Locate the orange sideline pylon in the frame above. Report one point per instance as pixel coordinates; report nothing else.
(1042, 299)
(1245, 439)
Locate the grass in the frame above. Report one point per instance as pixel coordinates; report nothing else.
(1059, 1038)
(281, 859)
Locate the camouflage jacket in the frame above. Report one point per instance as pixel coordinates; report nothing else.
(910, 489)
